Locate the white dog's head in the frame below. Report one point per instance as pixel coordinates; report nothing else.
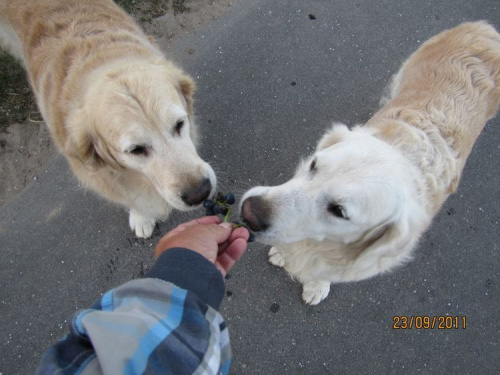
(140, 120)
(355, 189)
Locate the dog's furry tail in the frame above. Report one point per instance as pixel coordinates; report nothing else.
(491, 55)
(486, 47)
(482, 42)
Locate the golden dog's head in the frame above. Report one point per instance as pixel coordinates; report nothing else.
(139, 119)
(355, 190)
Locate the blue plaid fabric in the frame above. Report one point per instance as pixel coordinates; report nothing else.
(150, 325)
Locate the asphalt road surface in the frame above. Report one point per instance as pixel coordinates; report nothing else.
(271, 79)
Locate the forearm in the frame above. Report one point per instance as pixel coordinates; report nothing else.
(191, 271)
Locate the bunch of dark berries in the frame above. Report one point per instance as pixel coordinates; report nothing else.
(220, 205)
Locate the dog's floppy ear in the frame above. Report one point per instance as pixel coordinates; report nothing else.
(332, 136)
(394, 246)
(80, 145)
(183, 83)
(85, 145)
(187, 88)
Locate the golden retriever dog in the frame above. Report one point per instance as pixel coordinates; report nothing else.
(117, 109)
(357, 207)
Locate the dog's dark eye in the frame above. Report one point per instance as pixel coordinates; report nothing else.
(139, 150)
(179, 126)
(337, 210)
(312, 167)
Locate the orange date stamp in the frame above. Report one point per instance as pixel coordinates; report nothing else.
(428, 322)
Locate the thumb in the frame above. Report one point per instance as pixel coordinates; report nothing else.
(221, 232)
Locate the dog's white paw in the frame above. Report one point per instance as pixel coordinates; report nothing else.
(275, 258)
(314, 292)
(141, 225)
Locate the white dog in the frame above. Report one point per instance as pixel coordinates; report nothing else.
(357, 207)
(116, 108)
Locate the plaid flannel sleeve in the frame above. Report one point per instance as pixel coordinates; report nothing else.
(166, 323)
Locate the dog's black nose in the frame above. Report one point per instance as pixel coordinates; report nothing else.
(196, 195)
(256, 212)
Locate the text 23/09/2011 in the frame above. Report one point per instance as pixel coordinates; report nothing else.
(429, 322)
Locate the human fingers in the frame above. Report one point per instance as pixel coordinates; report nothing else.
(226, 260)
(202, 238)
(240, 232)
(205, 220)
(225, 231)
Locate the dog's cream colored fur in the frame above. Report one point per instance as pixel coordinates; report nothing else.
(391, 175)
(104, 88)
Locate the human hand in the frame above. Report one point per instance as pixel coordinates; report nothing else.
(218, 242)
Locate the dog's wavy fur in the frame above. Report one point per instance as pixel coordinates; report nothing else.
(403, 164)
(100, 82)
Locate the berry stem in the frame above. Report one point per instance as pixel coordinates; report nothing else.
(226, 218)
